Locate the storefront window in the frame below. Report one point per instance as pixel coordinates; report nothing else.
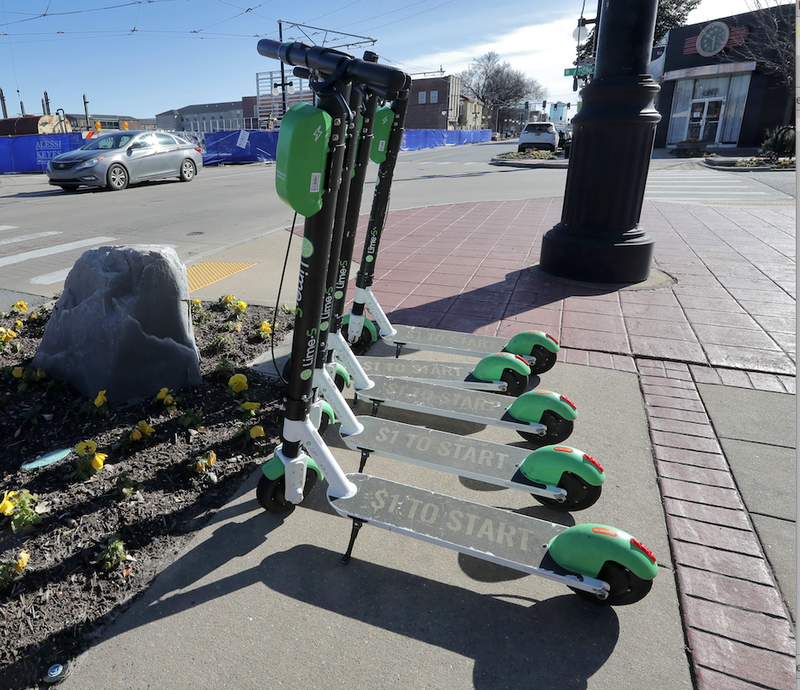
(715, 87)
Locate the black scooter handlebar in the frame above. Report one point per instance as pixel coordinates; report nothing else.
(327, 61)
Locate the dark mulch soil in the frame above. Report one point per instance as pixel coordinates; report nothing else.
(59, 603)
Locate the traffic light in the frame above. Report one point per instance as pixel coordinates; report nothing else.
(544, 104)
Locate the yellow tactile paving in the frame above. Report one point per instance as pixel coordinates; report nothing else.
(205, 273)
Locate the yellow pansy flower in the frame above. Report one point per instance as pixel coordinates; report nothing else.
(22, 561)
(265, 327)
(145, 428)
(135, 435)
(8, 334)
(18, 324)
(238, 383)
(86, 447)
(211, 458)
(100, 399)
(256, 431)
(99, 460)
(17, 372)
(20, 306)
(250, 406)
(8, 503)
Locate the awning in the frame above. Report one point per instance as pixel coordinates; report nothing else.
(709, 70)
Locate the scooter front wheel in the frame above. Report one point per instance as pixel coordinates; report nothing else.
(545, 360)
(558, 430)
(580, 494)
(363, 342)
(626, 588)
(271, 493)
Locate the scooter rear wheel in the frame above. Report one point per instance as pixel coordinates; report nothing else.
(580, 494)
(271, 493)
(544, 359)
(558, 430)
(516, 383)
(626, 587)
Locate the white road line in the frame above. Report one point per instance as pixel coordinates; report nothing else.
(22, 238)
(50, 278)
(57, 249)
(7, 227)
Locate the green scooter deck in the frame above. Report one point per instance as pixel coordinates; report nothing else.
(453, 342)
(489, 533)
(454, 374)
(445, 401)
(486, 461)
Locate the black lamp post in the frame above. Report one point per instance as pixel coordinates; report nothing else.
(599, 238)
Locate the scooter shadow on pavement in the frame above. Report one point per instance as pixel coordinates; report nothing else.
(515, 642)
(528, 289)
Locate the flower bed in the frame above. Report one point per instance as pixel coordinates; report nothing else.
(79, 538)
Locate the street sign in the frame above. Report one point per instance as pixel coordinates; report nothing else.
(578, 71)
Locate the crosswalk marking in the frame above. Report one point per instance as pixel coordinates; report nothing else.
(56, 249)
(35, 236)
(50, 278)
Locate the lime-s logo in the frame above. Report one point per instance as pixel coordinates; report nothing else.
(308, 248)
(305, 374)
(370, 259)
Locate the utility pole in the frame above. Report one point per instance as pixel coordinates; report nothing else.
(3, 103)
(283, 74)
(46, 104)
(86, 111)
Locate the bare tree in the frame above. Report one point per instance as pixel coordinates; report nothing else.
(771, 41)
(496, 84)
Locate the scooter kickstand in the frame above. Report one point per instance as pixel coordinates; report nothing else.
(353, 534)
(364, 457)
(398, 348)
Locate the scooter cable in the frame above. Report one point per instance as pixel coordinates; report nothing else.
(278, 300)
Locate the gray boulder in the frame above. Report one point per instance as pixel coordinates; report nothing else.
(123, 325)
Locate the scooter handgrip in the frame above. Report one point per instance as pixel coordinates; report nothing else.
(326, 60)
(379, 76)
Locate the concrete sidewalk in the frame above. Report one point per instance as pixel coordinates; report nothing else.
(686, 395)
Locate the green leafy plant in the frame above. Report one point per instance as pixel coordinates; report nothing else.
(221, 342)
(20, 507)
(112, 555)
(192, 419)
(127, 487)
(224, 368)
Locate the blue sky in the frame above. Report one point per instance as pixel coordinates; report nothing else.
(142, 57)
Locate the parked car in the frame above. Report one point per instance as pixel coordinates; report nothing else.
(116, 160)
(538, 135)
(495, 136)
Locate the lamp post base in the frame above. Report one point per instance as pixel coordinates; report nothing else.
(624, 258)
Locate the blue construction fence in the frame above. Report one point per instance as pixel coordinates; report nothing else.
(30, 153)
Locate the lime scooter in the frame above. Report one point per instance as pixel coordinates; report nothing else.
(561, 477)
(505, 365)
(538, 348)
(541, 417)
(598, 561)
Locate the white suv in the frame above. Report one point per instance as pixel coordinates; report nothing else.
(538, 135)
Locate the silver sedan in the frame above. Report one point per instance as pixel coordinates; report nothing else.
(116, 160)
